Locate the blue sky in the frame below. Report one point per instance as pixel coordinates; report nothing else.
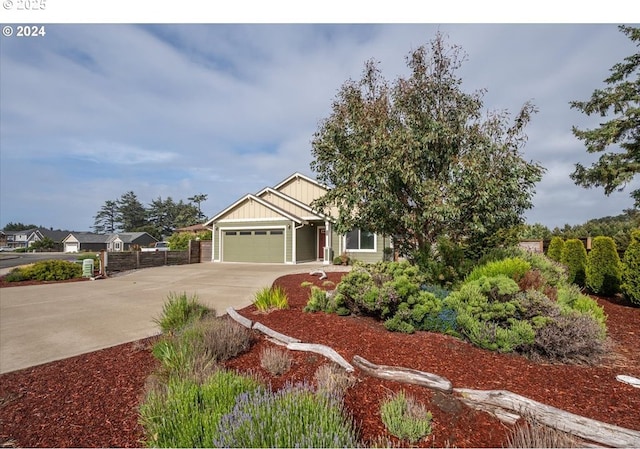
(89, 112)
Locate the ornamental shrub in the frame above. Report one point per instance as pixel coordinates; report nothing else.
(46, 270)
(512, 267)
(405, 417)
(271, 298)
(180, 310)
(186, 413)
(574, 256)
(295, 416)
(554, 252)
(631, 269)
(603, 273)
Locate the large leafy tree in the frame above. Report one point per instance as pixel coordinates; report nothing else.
(620, 101)
(419, 159)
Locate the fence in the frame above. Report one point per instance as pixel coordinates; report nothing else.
(134, 260)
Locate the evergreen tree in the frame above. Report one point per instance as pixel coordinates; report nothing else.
(106, 220)
(603, 271)
(554, 252)
(574, 257)
(631, 270)
(615, 169)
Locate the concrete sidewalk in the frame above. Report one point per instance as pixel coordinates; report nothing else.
(43, 323)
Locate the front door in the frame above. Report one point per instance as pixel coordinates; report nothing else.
(322, 241)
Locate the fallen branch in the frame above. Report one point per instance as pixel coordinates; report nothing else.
(579, 426)
(277, 335)
(401, 374)
(246, 322)
(323, 350)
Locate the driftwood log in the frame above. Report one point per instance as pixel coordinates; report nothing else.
(401, 374)
(633, 381)
(246, 322)
(274, 334)
(322, 350)
(579, 426)
(322, 273)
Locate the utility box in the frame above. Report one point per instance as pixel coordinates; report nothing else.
(87, 268)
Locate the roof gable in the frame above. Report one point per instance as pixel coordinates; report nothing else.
(301, 188)
(253, 207)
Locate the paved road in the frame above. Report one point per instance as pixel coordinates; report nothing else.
(10, 259)
(43, 323)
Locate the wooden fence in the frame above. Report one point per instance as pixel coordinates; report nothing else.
(134, 260)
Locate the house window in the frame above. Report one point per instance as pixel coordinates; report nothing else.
(360, 240)
(117, 246)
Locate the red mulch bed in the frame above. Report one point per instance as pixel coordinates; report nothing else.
(91, 400)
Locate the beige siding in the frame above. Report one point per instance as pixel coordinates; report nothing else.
(285, 205)
(251, 210)
(302, 190)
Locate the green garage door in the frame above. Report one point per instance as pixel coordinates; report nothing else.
(259, 246)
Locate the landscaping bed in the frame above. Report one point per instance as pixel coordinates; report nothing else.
(91, 400)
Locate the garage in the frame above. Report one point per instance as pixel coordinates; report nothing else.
(253, 245)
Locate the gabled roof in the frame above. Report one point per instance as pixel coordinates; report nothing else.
(292, 200)
(88, 237)
(250, 197)
(298, 175)
(128, 237)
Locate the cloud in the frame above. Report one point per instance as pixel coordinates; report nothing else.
(94, 111)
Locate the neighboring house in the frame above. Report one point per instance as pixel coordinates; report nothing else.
(278, 225)
(89, 241)
(22, 239)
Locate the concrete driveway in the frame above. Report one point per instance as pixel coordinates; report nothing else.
(43, 323)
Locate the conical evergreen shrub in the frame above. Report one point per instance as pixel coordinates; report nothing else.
(574, 256)
(604, 271)
(631, 269)
(554, 252)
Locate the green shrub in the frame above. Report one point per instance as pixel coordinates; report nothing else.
(603, 273)
(574, 257)
(406, 418)
(318, 300)
(18, 274)
(271, 298)
(513, 267)
(571, 299)
(292, 417)
(631, 269)
(46, 270)
(178, 311)
(553, 273)
(185, 413)
(554, 252)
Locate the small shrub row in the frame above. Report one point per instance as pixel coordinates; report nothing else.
(46, 270)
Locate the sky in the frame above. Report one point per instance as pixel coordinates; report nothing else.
(91, 111)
